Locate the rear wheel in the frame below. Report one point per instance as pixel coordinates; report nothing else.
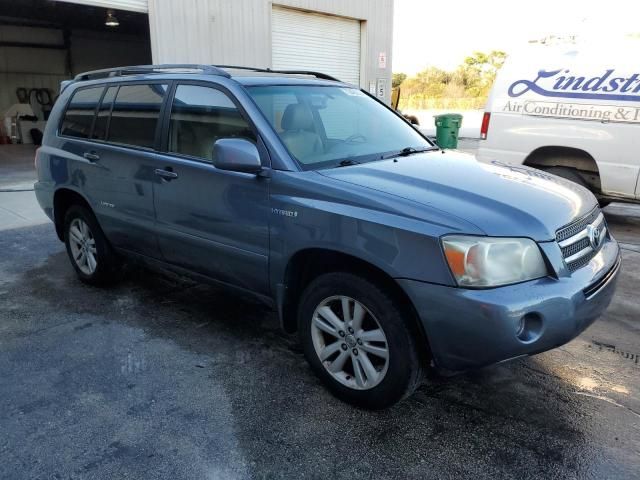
(569, 174)
(92, 257)
(356, 340)
(572, 175)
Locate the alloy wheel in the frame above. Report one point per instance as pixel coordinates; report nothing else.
(83, 246)
(350, 342)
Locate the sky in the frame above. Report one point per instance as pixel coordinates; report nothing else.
(432, 33)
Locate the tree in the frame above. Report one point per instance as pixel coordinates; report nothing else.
(479, 71)
(397, 79)
(467, 86)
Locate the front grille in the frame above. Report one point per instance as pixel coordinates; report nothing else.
(575, 248)
(577, 226)
(575, 239)
(581, 262)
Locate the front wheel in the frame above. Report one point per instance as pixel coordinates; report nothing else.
(357, 341)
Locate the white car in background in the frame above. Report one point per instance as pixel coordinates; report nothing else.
(570, 110)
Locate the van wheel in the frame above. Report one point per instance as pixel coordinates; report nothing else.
(356, 340)
(92, 257)
(571, 174)
(568, 174)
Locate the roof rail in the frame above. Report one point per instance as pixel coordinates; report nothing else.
(321, 75)
(149, 69)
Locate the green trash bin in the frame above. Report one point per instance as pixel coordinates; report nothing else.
(447, 128)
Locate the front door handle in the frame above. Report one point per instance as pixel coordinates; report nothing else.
(166, 174)
(91, 156)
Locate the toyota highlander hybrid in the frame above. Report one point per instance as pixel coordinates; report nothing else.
(386, 254)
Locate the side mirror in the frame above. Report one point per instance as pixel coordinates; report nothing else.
(237, 155)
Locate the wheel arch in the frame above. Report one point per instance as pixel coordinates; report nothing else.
(64, 198)
(307, 264)
(568, 157)
(558, 156)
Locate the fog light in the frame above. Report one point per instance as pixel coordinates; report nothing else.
(521, 327)
(529, 327)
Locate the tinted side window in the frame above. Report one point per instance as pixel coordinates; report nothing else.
(199, 117)
(80, 112)
(135, 114)
(104, 112)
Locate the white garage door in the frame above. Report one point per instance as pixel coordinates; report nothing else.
(308, 41)
(131, 5)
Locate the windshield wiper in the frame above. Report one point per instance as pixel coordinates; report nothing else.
(347, 162)
(405, 152)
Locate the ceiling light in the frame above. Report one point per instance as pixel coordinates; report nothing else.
(111, 20)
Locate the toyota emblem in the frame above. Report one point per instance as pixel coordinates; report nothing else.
(595, 236)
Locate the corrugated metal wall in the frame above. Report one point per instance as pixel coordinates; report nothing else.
(239, 31)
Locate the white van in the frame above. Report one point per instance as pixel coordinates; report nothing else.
(570, 110)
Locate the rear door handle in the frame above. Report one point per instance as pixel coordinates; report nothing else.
(166, 174)
(91, 156)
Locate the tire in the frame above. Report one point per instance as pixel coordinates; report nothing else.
(85, 240)
(572, 175)
(392, 379)
(568, 174)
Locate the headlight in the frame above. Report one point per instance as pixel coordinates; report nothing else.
(490, 262)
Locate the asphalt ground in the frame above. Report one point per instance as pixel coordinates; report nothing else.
(160, 377)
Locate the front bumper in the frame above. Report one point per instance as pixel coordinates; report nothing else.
(472, 328)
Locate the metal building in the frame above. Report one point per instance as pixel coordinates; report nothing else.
(43, 42)
(349, 39)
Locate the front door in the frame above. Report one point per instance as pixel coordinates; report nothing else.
(210, 221)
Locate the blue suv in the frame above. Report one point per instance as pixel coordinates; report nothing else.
(386, 254)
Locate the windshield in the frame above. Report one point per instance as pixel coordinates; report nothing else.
(324, 127)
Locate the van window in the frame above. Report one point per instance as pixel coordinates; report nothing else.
(135, 114)
(104, 112)
(199, 117)
(80, 112)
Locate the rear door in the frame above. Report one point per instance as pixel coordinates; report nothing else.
(211, 221)
(113, 144)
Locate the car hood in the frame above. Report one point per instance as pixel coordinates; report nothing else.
(500, 199)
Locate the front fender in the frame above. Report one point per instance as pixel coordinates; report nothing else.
(397, 236)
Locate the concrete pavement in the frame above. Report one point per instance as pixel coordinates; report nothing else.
(18, 205)
(160, 377)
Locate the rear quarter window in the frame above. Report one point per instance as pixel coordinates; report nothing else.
(78, 118)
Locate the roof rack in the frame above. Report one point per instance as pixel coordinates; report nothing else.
(321, 75)
(189, 68)
(147, 69)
